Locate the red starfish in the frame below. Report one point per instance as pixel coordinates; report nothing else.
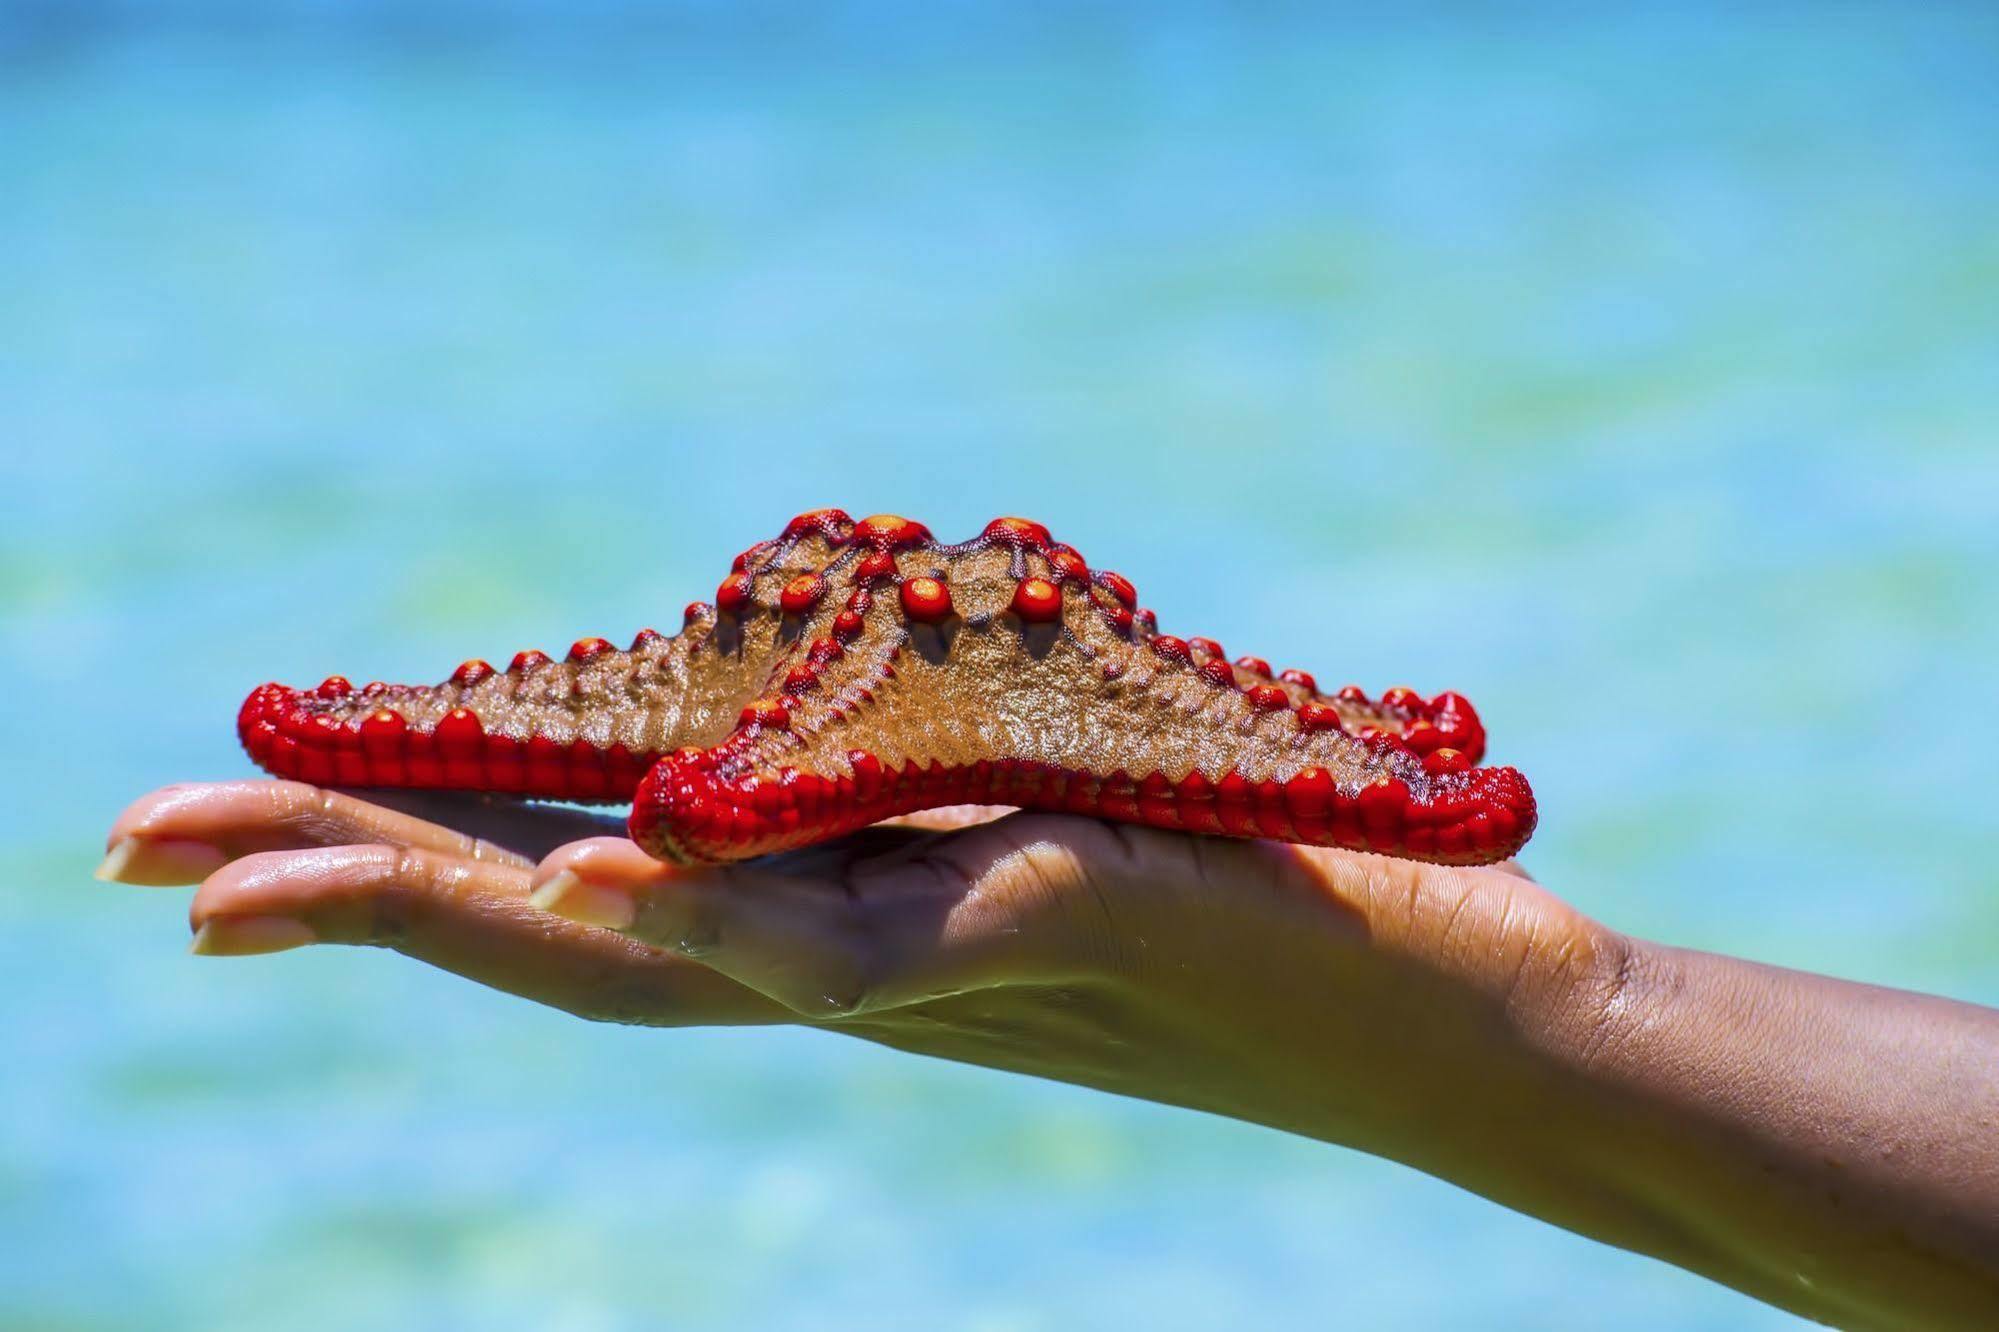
(849, 672)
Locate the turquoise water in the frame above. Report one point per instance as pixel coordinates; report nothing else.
(1635, 376)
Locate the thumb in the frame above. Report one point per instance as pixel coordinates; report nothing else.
(832, 937)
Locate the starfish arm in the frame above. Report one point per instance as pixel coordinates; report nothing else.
(584, 728)
(909, 674)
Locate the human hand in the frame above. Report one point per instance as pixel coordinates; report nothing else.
(1349, 996)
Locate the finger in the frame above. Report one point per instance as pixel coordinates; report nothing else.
(468, 917)
(181, 834)
(900, 835)
(784, 936)
(930, 916)
(948, 818)
(529, 828)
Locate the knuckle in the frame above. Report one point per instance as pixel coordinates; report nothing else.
(1393, 897)
(394, 903)
(485, 852)
(414, 869)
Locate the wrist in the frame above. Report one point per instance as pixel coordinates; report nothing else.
(1591, 1014)
(1525, 1087)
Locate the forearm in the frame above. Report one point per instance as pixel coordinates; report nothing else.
(1829, 1147)
(1822, 1145)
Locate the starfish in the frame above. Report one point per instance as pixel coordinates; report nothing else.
(847, 672)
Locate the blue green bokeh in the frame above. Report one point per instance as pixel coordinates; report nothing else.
(1638, 376)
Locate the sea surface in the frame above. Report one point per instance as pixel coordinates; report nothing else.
(1637, 376)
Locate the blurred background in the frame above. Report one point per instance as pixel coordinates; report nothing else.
(1636, 375)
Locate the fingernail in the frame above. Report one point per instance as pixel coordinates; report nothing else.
(245, 936)
(159, 862)
(568, 896)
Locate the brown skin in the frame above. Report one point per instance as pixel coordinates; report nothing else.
(1828, 1147)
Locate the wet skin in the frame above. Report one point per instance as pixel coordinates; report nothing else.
(1829, 1147)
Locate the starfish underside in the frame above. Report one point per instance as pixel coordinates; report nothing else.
(849, 672)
